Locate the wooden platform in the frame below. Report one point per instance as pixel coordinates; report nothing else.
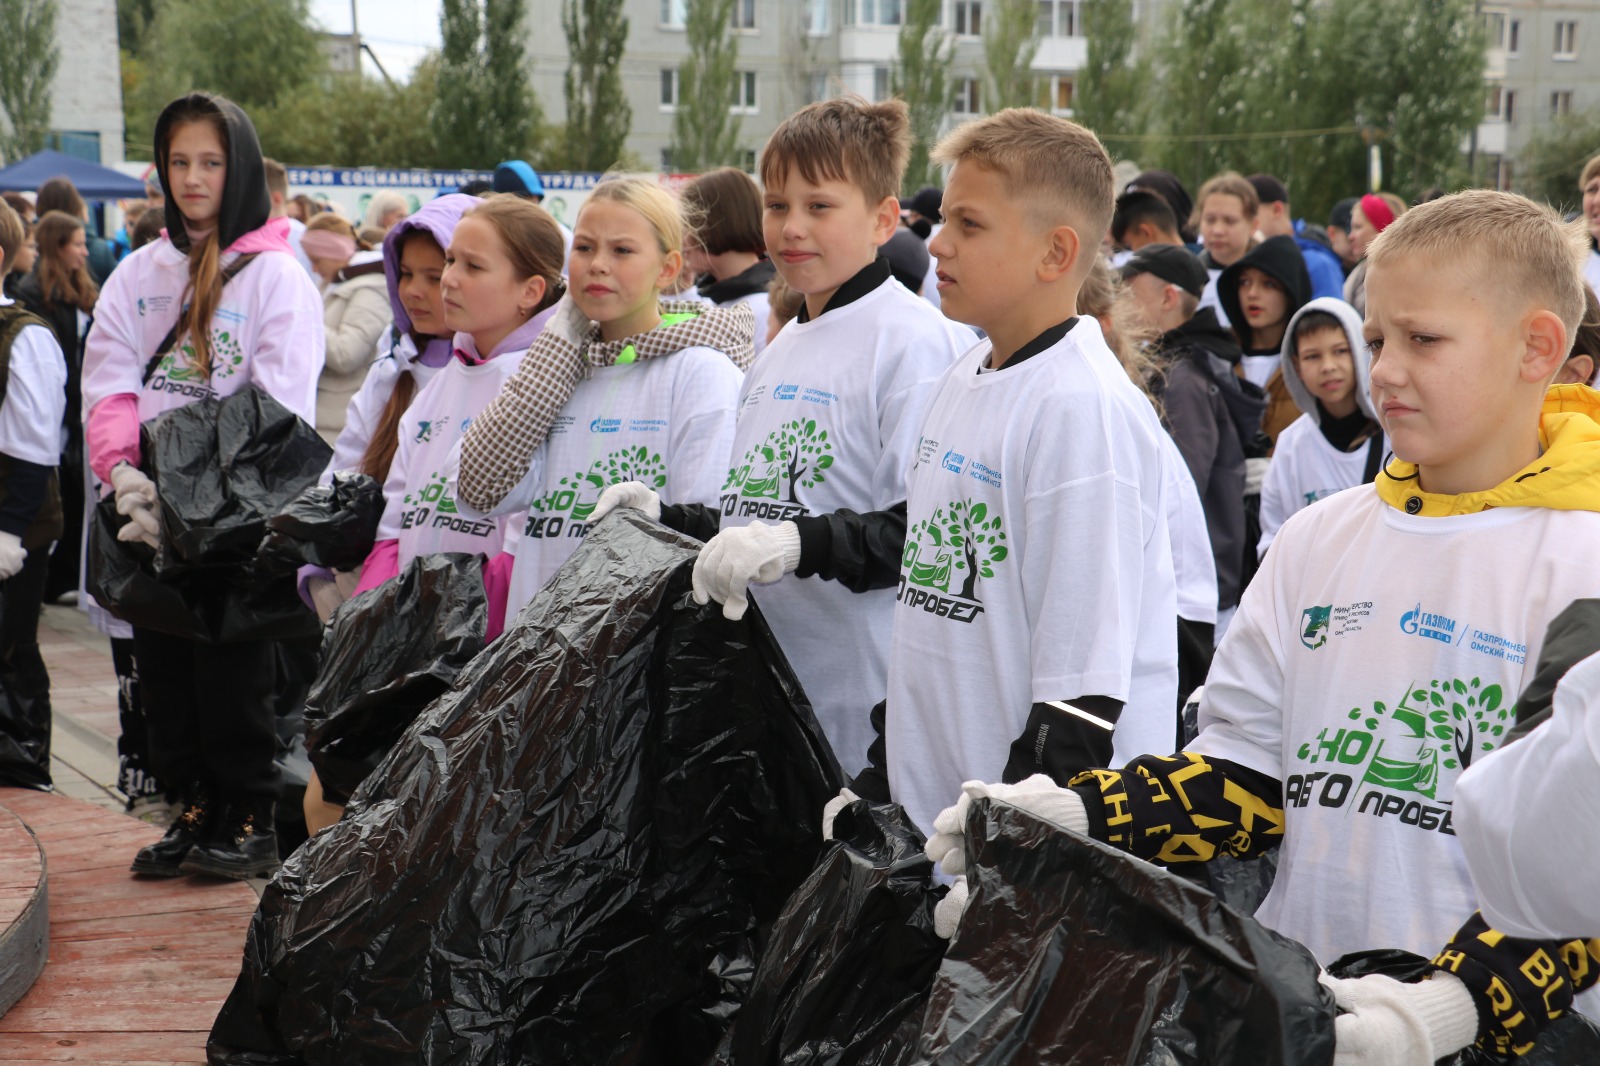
(24, 910)
(137, 968)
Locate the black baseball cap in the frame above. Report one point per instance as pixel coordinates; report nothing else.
(1269, 190)
(1171, 263)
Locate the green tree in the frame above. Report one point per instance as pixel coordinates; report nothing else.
(1549, 167)
(255, 52)
(133, 19)
(1467, 718)
(28, 28)
(484, 111)
(598, 115)
(922, 80)
(705, 133)
(1010, 41)
(356, 122)
(1113, 84)
(969, 527)
(805, 453)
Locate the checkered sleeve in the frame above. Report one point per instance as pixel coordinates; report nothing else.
(498, 447)
(1518, 986)
(1183, 808)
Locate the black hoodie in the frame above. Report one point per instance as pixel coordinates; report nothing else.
(246, 203)
(1281, 260)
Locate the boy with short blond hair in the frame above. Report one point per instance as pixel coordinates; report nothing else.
(828, 417)
(1037, 567)
(1382, 646)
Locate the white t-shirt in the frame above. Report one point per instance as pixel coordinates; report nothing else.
(297, 232)
(36, 398)
(828, 420)
(1528, 813)
(761, 306)
(1305, 468)
(1037, 567)
(1591, 271)
(419, 509)
(267, 332)
(1259, 368)
(1209, 297)
(667, 422)
(1367, 639)
(366, 406)
(1194, 567)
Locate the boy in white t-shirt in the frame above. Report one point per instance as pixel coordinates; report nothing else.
(1337, 443)
(1036, 566)
(1380, 649)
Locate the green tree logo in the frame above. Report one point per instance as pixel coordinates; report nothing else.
(578, 493)
(1466, 718)
(965, 539)
(795, 453)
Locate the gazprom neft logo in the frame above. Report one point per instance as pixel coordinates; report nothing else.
(605, 425)
(954, 462)
(1422, 623)
(785, 392)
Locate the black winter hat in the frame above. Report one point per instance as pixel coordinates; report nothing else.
(1170, 263)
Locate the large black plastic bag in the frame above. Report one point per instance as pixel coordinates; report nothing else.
(568, 858)
(221, 468)
(331, 525)
(846, 972)
(1071, 952)
(386, 655)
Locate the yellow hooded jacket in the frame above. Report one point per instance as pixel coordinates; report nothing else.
(1565, 477)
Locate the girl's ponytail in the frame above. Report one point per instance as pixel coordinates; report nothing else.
(385, 438)
(202, 299)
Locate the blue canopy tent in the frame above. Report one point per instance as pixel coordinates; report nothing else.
(93, 181)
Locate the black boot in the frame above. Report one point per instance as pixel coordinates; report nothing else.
(242, 843)
(193, 824)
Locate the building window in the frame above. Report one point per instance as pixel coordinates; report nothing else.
(1566, 39)
(1560, 103)
(1496, 102)
(1508, 103)
(873, 12)
(748, 158)
(674, 13)
(669, 88)
(967, 98)
(881, 87)
(817, 87)
(1055, 93)
(666, 160)
(1513, 37)
(744, 92)
(815, 14)
(969, 18)
(1495, 24)
(744, 14)
(1059, 18)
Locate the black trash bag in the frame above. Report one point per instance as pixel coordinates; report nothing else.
(847, 969)
(333, 526)
(1071, 952)
(568, 858)
(1571, 1040)
(221, 468)
(386, 655)
(25, 712)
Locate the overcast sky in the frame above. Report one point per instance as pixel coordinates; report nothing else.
(399, 31)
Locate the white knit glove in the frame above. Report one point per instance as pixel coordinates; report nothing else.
(326, 596)
(1255, 475)
(13, 555)
(947, 912)
(831, 810)
(634, 494)
(145, 524)
(1394, 1024)
(568, 322)
(736, 558)
(1038, 795)
(130, 482)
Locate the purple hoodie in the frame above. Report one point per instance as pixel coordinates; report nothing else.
(437, 218)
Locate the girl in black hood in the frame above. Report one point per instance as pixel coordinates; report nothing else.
(217, 305)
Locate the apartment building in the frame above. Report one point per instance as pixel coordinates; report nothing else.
(795, 52)
(1543, 62)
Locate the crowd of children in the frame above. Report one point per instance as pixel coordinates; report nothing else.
(1002, 520)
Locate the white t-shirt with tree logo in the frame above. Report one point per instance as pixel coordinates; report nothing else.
(1375, 656)
(828, 420)
(420, 508)
(1038, 566)
(667, 422)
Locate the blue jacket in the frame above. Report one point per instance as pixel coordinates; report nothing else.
(1327, 276)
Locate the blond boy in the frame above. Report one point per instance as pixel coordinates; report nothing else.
(1382, 646)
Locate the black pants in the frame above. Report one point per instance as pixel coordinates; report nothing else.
(135, 778)
(24, 681)
(210, 712)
